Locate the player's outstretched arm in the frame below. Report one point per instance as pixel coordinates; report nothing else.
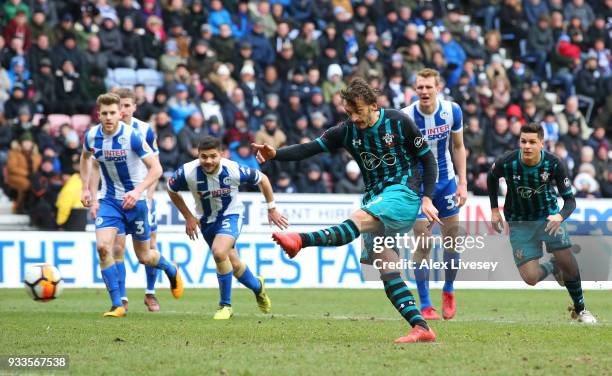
(85, 171)
(274, 216)
(460, 160)
(296, 152)
(154, 171)
(191, 222)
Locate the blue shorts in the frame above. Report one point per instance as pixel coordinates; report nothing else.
(527, 238)
(225, 224)
(153, 216)
(397, 207)
(444, 199)
(132, 221)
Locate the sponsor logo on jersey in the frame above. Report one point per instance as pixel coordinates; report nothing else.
(222, 192)
(388, 138)
(527, 192)
(437, 132)
(418, 141)
(371, 161)
(115, 155)
(99, 221)
(356, 142)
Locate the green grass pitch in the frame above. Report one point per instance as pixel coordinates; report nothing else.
(311, 331)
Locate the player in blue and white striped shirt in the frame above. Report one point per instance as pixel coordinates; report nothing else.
(128, 168)
(128, 107)
(213, 181)
(441, 123)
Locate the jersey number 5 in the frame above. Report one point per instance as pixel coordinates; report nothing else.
(226, 225)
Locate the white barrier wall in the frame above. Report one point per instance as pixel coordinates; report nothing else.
(75, 255)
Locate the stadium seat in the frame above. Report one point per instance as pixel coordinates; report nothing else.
(150, 77)
(56, 121)
(80, 123)
(125, 76)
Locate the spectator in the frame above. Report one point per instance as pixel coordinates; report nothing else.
(209, 106)
(606, 185)
(352, 181)
(94, 58)
(474, 137)
(563, 154)
(551, 128)
(501, 93)
(585, 184)
(573, 140)
(598, 138)
(284, 184)
(13, 7)
(68, 50)
(454, 55)
(580, 9)
(534, 10)
(23, 160)
(589, 81)
(17, 101)
(471, 45)
(170, 59)
(202, 59)
(602, 162)
(270, 133)
(313, 181)
(263, 53)
(224, 44)
(189, 136)
(540, 41)
(18, 28)
(334, 82)
(160, 100)
(46, 185)
(570, 114)
(45, 86)
(180, 107)
(499, 139)
(132, 41)
(271, 83)
(70, 93)
(84, 29)
(241, 152)
(169, 155)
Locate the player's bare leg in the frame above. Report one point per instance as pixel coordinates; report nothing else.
(119, 255)
(422, 230)
(149, 299)
(566, 261)
(221, 247)
(104, 245)
(152, 257)
(256, 284)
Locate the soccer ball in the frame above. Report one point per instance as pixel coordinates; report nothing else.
(43, 282)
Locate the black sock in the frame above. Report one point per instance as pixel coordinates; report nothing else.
(333, 236)
(574, 288)
(402, 299)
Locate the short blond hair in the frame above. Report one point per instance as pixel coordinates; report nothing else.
(428, 72)
(108, 99)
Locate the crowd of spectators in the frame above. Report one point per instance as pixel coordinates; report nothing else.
(271, 71)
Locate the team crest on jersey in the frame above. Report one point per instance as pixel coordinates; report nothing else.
(99, 221)
(356, 142)
(566, 181)
(227, 180)
(122, 140)
(388, 138)
(418, 142)
(545, 175)
(444, 115)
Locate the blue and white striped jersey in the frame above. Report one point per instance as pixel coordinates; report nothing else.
(120, 158)
(436, 129)
(217, 194)
(147, 131)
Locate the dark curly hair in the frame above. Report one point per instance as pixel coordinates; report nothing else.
(357, 89)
